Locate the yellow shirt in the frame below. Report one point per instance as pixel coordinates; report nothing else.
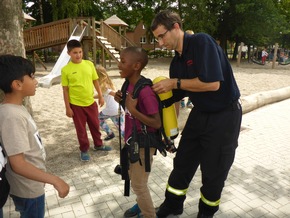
(79, 79)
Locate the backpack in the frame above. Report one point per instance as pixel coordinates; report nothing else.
(157, 140)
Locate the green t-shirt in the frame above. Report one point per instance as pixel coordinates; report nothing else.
(79, 79)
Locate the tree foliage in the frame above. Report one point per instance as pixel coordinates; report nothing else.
(259, 22)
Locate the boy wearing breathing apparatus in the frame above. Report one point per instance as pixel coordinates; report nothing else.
(142, 128)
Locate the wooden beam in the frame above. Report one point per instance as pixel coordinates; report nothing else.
(93, 34)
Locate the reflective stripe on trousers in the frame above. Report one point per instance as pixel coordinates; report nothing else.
(174, 191)
(209, 203)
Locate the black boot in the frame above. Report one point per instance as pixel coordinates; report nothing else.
(163, 211)
(199, 215)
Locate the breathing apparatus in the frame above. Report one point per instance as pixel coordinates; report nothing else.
(169, 117)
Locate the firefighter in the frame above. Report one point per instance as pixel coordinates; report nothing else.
(201, 71)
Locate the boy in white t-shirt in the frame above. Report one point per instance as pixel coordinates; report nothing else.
(26, 172)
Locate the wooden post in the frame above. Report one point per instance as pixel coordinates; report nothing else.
(88, 31)
(240, 54)
(125, 28)
(102, 27)
(275, 55)
(103, 57)
(72, 26)
(35, 56)
(93, 35)
(86, 49)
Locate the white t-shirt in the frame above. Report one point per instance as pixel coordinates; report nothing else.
(19, 134)
(111, 107)
(264, 53)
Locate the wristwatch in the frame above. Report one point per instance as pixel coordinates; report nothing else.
(178, 83)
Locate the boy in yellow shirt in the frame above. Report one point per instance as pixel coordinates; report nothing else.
(78, 79)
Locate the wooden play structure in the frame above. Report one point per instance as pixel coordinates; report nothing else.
(93, 34)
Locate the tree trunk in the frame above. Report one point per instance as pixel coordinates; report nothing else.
(11, 25)
(235, 52)
(223, 43)
(11, 34)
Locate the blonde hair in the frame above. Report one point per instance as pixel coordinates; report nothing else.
(104, 79)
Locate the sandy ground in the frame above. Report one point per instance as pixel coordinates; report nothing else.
(58, 132)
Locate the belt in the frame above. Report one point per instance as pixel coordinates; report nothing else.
(236, 105)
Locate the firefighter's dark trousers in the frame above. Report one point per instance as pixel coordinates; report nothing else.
(208, 140)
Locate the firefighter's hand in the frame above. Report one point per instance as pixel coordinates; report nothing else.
(118, 96)
(164, 86)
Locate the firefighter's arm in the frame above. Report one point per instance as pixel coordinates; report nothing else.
(192, 85)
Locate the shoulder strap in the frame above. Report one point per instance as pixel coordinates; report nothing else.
(123, 90)
(141, 83)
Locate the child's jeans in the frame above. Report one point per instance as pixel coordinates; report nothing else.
(30, 207)
(139, 182)
(115, 120)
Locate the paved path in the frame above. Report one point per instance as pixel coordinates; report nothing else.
(258, 184)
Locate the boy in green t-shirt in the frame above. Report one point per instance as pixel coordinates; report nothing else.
(78, 79)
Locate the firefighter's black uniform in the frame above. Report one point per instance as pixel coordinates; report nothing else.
(210, 136)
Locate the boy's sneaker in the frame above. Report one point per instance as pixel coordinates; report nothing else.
(102, 148)
(85, 156)
(132, 212)
(109, 137)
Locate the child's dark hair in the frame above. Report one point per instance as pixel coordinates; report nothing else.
(13, 68)
(139, 54)
(71, 44)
